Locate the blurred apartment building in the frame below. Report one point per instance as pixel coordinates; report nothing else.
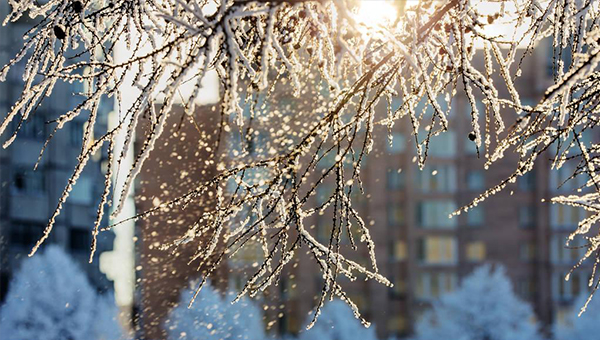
(27, 197)
(424, 253)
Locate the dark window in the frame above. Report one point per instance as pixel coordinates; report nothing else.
(76, 135)
(25, 234)
(29, 181)
(79, 239)
(527, 181)
(4, 280)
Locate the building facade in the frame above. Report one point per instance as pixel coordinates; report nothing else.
(28, 197)
(424, 253)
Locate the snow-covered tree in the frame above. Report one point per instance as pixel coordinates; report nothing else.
(335, 62)
(50, 298)
(337, 323)
(579, 326)
(214, 317)
(483, 308)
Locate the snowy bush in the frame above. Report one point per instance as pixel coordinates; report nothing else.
(50, 298)
(483, 308)
(212, 317)
(580, 327)
(337, 322)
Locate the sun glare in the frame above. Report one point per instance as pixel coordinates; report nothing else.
(377, 12)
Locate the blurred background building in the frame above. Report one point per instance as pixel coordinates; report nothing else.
(424, 253)
(27, 197)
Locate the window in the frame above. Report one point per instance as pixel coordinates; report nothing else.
(559, 178)
(567, 290)
(395, 179)
(79, 239)
(476, 251)
(399, 250)
(395, 214)
(565, 216)
(83, 191)
(25, 235)
(526, 288)
(443, 145)
(29, 181)
(437, 250)
(398, 143)
(435, 214)
(33, 127)
(527, 251)
(475, 180)
(323, 192)
(397, 324)
(560, 253)
(76, 133)
(433, 285)
(527, 216)
(527, 181)
(399, 286)
(437, 178)
(475, 216)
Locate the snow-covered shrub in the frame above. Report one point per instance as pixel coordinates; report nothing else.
(582, 327)
(485, 307)
(50, 298)
(337, 322)
(213, 317)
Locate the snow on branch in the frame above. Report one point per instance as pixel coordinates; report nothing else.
(336, 68)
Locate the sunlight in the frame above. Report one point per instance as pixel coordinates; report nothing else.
(377, 12)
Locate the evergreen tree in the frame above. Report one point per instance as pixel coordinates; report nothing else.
(212, 317)
(580, 327)
(483, 308)
(337, 322)
(50, 298)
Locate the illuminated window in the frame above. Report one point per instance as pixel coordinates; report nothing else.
(437, 250)
(397, 324)
(476, 251)
(400, 251)
(435, 214)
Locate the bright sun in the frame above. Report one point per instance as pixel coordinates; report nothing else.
(376, 12)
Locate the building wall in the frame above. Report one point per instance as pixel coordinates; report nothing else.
(177, 165)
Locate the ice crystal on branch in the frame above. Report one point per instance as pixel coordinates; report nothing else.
(335, 68)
